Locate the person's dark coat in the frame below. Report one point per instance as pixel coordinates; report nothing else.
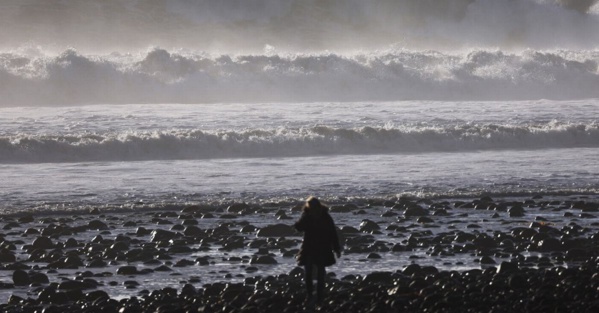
(320, 237)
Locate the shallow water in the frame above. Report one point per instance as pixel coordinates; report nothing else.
(221, 269)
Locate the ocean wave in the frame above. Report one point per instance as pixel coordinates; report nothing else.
(285, 142)
(160, 76)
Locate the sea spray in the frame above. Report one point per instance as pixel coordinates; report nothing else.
(300, 25)
(292, 142)
(161, 76)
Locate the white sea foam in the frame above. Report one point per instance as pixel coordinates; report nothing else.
(273, 99)
(285, 142)
(160, 76)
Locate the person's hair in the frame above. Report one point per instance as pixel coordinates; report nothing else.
(313, 205)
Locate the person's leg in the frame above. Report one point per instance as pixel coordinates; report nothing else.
(308, 278)
(320, 274)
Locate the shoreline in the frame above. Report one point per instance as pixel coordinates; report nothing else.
(412, 254)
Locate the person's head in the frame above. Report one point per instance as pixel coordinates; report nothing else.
(313, 205)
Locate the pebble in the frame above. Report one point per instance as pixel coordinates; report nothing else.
(521, 284)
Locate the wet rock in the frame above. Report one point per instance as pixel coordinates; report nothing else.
(516, 211)
(414, 211)
(585, 206)
(399, 248)
(507, 267)
(238, 207)
(441, 212)
(97, 225)
(283, 216)
(263, 259)
(348, 230)
(484, 242)
(517, 281)
(247, 229)
(163, 268)
(142, 231)
(344, 208)
(43, 243)
(486, 199)
(199, 209)
(424, 220)
(183, 263)
(277, 230)
(127, 270)
(177, 249)
(549, 244)
(162, 235)
(71, 243)
(6, 256)
(190, 221)
(20, 278)
(373, 255)
(369, 226)
(412, 269)
(96, 263)
(119, 246)
(31, 231)
(389, 214)
(38, 278)
(378, 278)
(129, 224)
(74, 285)
(193, 231)
(178, 227)
(487, 260)
(96, 295)
(576, 254)
(26, 219)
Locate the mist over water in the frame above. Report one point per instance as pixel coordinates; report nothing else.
(90, 52)
(291, 25)
(277, 86)
(160, 76)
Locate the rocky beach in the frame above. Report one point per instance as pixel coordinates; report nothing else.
(154, 155)
(534, 254)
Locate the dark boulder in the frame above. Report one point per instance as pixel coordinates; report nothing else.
(516, 211)
(7, 256)
(97, 225)
(20, 278)
(162, 235)
(378, 278)
(193, 231)
(127, 270)
(549, 244)
(507, 267)
(415, 210)
(263, 259)
(277, 230)
(42, 243)
(369, 226)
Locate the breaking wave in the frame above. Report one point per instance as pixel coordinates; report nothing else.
(160, 76)
(284, 142)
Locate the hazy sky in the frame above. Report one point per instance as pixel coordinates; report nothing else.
(235, 25)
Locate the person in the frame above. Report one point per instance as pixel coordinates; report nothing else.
(320, 240)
